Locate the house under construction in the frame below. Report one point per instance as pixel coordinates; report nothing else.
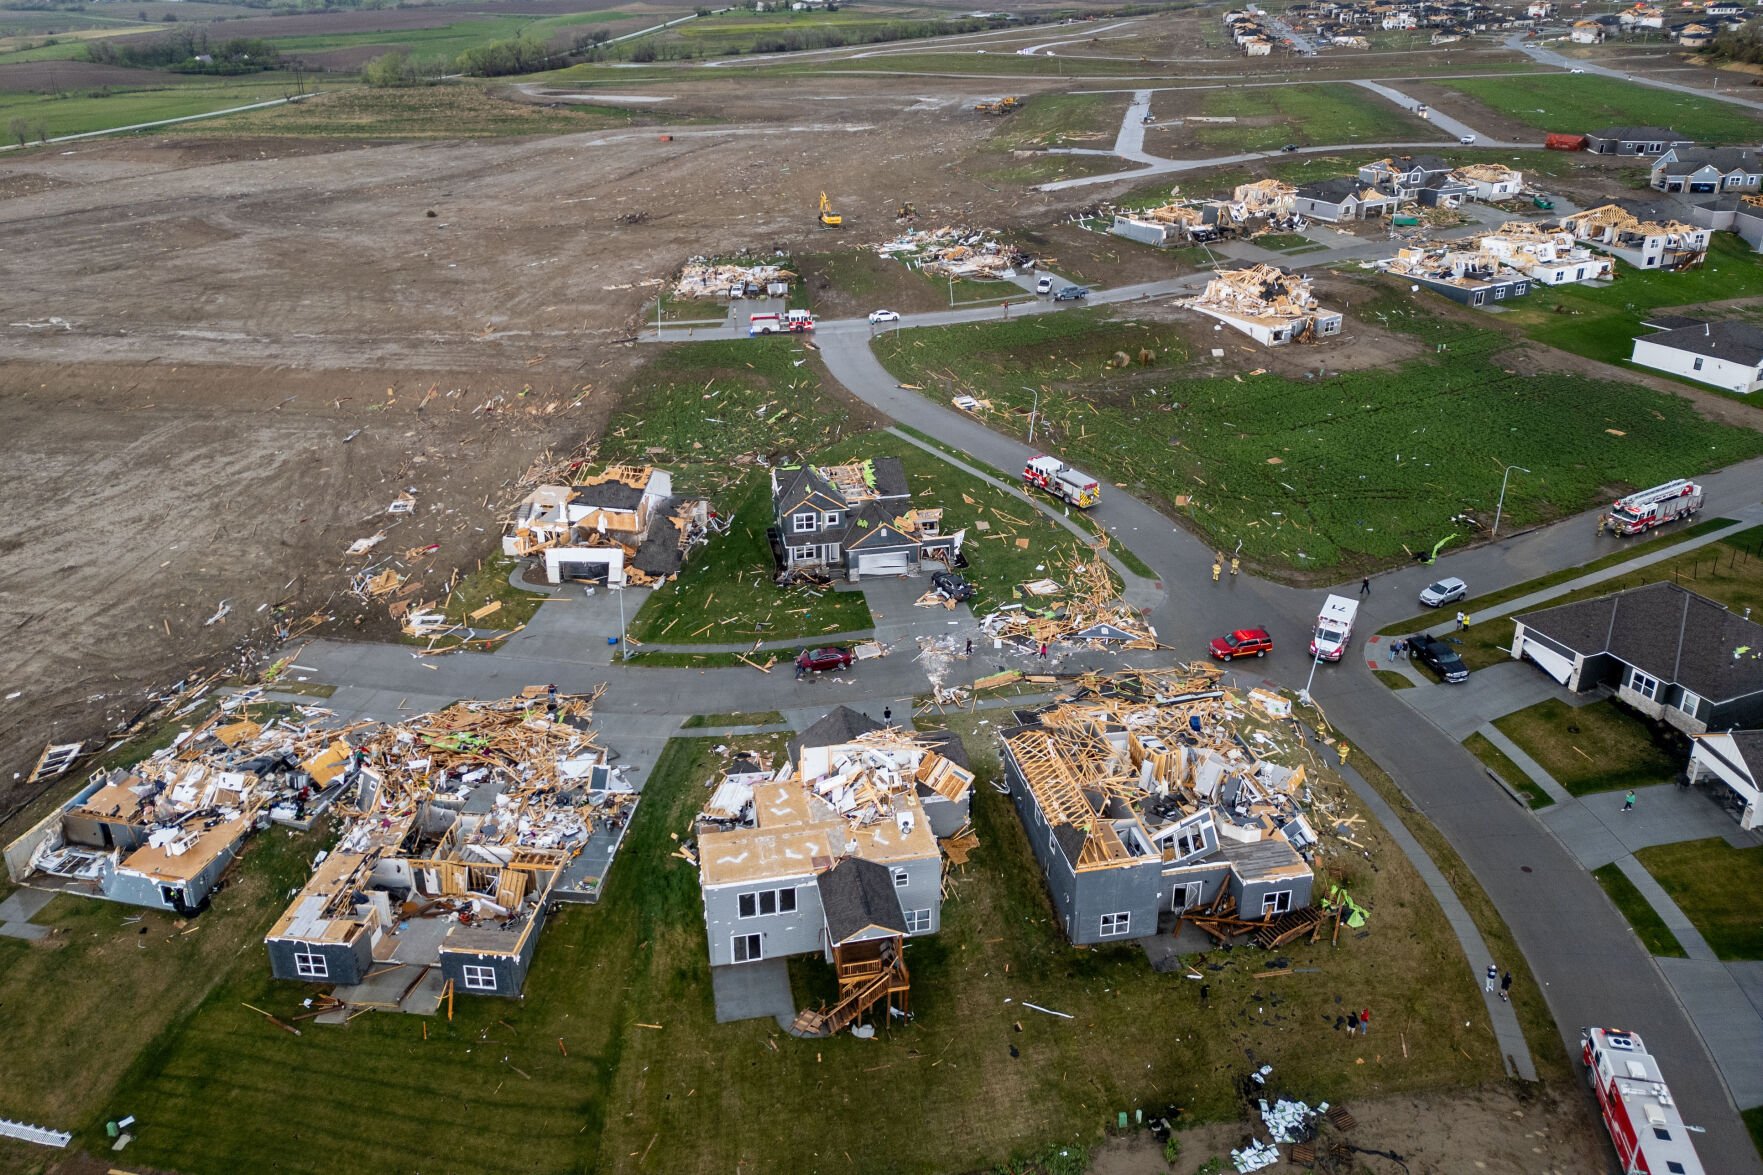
(835, 852)
(1266, 303)
(621, 526)
(465, 825)
(1643, 240)
(1140, 798)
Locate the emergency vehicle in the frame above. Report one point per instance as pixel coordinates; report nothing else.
(1638, 1109)
(1334, 628)
(1655, 507)
(1062, 481)
(794, 322)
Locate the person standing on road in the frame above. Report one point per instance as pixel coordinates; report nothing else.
(1628, 802)
(1505, 987)
(1493, 977)
(969, 646)
(1365, 587)
(888, 715)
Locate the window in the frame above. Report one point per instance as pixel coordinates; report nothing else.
(833, 518)
(1115, 925)
(803, 522)
(311, 966)
(763, 902)
(802, 554)
(1690, 703)
(478, 978)
(1179, 899)
(1698, 363)
(1189, 843)
(829, 553)
(917, 921)
(749, 948)
(1277, 902)
(1673, 1166)
(1640, 683)
(1662, 1134)
(902, 879)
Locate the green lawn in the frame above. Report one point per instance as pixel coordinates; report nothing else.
(1601, 322)
(1502, 765)
(1060, 120)
(76, 114)
(1272, 116)
(612, 1061)
(454, 110)
(1357, 470)
(1576, 105)
(447, 41)
(1653, 933)
(713, 721)
(1599, 747)
(1713, 883)
(1392, 679)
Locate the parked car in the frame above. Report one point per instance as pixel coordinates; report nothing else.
(1576, 71)
(951, 586)
(830, 659)
(1466, 139)
(1044, 286)
(1441, 658)
(1445, 591)
(1244, 642)
(1289, 148)
(884, 316)
(1071, 294)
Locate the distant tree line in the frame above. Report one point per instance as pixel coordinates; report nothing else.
(1744, 44)
(187, 51)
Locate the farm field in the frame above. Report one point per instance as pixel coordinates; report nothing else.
(1268, 117)
(1708, 879)
(1323, 476)
(210, 1091)
(452, 110)
(77, 114)
(1576, 105)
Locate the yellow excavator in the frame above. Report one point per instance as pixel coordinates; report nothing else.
(828, 217)
(999, 106)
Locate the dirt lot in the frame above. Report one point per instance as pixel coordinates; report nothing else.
(196, 324)
(1483, 1130)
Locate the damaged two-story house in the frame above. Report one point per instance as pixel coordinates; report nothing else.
(1425, 179)
(1646, 236)
(1138, 801)
(622, 525)
(855, 520)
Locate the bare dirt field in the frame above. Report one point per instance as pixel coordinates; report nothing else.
(1493, 1130)
(196, 325)
(43, 77)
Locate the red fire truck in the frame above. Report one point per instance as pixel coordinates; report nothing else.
(1638, 1109)
(1655, 507)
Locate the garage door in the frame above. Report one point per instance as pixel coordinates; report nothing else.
(1554, 664)
(884, 563)
(591, 572)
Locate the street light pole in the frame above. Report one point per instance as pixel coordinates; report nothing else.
(624, 649)
(1502, 506)
(1304, 694)
(1033, 412)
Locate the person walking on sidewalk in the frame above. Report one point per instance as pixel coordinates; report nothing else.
(1493, 977)
(1628, 802)
(1506, 987)
(1365, 587)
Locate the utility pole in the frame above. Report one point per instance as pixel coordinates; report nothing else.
(1033, 413)
(1498, 510)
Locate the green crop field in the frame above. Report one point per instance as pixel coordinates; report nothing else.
(453, 110)
(1271, 116)
(1001, 62)
(77, 114)
(1356, 470)
(1577, 104)
(448, 41)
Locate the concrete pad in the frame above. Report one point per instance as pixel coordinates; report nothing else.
(28, 931)
(1585, 835)
(1749, 977)
(23, 904)
(1664, 814)
(753, 991)
(1727, 1020)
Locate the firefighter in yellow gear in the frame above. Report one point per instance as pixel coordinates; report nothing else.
(1235, 563)
(1217, 567)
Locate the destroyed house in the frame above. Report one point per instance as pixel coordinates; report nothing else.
(1342, 199)
(1550, 258)
(1473, 279)
(1426, 178)
(162, 832)
(466, 825)
(1267, 304)
(788, 858)
(1138, 800)
(856, 520)
(623, 525)
(1664, 650)
(1491, 181)
(1646, 236)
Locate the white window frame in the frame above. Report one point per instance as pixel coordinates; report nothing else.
(746, 942)
(311, 964)
(918, 921)
(1190, 842)
(1649, 690)
(829, 553)
(1690, 702)
(1186, 887)
(1276, 901)
(832, 518)
(902, 879)
(803, 522)
(802, 554)
(477, 977)
(1117, 924)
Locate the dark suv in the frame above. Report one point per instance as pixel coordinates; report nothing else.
(951, 586)
(1441, 658)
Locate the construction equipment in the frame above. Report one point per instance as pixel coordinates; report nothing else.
(906, 212)
(1062, 481)
(828, 217)
(1655, 507)
(1007, 105)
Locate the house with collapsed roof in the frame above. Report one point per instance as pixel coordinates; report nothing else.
(1646, 236)
(1266, 303)
(1491, 181)
(1424, 178)
(1548, 257)
(1138, 800)
(1474, 278)
(620, 526)
(1664, 650)
(1173, 223)
(1344, 199)
(465, 827)
(1724, 355)
(162, 832)
(1709, 170)
(855, 520)
(836, 852)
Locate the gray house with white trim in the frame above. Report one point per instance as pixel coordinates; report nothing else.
(1659, 648)
(854, 520)
(1635, 140)
(1709, 170)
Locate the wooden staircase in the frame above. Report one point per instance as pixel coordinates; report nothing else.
(1287, 927)
(867, 977)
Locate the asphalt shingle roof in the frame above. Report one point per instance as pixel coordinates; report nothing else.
(856, 895)
(1736, 342)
